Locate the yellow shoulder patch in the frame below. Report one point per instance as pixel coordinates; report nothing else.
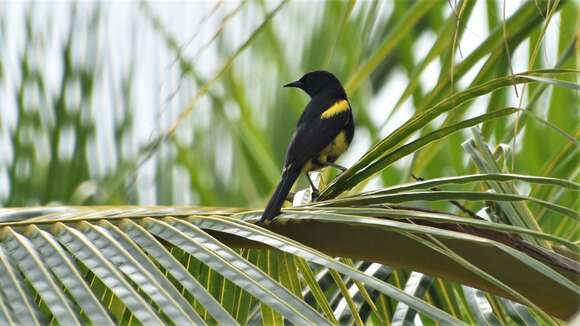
(335, 109)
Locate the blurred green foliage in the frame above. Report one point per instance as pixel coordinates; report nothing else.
(82, 139)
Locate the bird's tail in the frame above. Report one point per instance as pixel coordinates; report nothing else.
(282, 190)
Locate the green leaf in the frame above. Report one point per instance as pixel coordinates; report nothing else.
(31, 265)
(413, 146)
(475, 178)
(555, 82)
(517, 213)
(417, 285)
(227, 262)
(346, 296)
(481, 308)
(518, 312)
(485, 252)
(437, 246)
(184, 310)
(17, 294)
(156, 250)
(87, 253)
(436, 217)
(315, 289)
(61, 264)
(389, 43)
(269, 316)
(261, 235)
(128, 258)
(363, 199)
(361, 170)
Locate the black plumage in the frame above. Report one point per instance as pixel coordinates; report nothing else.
(323, 132)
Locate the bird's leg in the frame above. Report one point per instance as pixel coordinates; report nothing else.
(313, 187)
(290, 196)
(334, 165)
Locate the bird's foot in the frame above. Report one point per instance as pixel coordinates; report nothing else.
(290, 196)
(315, 194)
(339, 167)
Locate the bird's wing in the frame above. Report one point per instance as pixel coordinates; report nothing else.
(313, 134)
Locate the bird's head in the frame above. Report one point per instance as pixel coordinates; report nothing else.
(318, 82)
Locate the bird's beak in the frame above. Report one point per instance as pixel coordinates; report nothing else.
(297, 84)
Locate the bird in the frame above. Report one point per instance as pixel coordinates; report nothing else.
(324, 131)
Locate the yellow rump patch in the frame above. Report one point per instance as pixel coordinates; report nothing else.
(335, 109)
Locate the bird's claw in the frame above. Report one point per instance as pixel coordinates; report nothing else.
(290, 196)
(315, 194)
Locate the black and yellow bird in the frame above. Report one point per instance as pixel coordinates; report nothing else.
(324, 131)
